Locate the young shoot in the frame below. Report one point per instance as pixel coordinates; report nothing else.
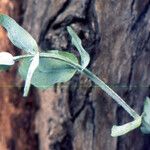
(43, 70)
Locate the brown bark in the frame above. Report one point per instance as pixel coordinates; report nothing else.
(116, 35)
(16, 115)
(77, 115)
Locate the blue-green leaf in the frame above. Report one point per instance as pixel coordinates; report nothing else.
(145, 128)
(85, 58)
(123, 129)
(17, 35)
(50, 70)
(34, 64)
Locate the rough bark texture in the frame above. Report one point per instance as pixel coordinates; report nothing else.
(16, 114)
(77, 115)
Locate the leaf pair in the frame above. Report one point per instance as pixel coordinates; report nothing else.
(52, 69)
(23, 40)
(43, 71)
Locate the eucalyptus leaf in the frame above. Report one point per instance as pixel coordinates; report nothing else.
(50, 70)
(76, 41)
(123, 129)
(34, 64)
(145, 128)
(17, 35)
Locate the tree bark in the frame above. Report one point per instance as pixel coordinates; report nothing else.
(77, 115)
(16, 113)
(116, 34)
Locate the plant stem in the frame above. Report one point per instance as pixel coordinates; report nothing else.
(110, 92)
(16, 58)
(93, 78)
(102, 85)
(116, 130)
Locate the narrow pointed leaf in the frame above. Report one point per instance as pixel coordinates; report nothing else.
(34, 64)
(50, 70)
(145, 128)
(85, 58)
(17, 35)
(123, 129)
